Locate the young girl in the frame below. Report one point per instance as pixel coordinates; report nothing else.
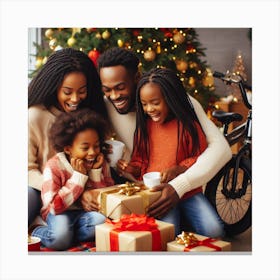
(169, 138)
(67, 82)
(78, 165)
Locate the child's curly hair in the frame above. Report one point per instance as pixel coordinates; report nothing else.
(67, 125)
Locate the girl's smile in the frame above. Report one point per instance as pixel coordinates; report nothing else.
(153, 103)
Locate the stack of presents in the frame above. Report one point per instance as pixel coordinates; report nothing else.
(128, 229)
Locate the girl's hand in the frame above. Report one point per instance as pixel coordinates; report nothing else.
(89, 201)
(124, 166)
(78, 165)
(98, 161)
(171, 173)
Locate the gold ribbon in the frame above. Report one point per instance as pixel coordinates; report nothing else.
(128, 189)
(187, 239)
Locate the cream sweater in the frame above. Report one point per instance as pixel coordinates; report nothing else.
(216, 155)
(39, 148)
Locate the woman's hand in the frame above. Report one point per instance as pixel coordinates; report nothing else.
(171, 173)
(89, 201)
(168, 199)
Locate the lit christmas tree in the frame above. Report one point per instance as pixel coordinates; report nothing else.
(239, 69)
(175, 48)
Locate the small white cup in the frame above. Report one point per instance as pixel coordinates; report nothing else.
(118, 149)
(151, 179)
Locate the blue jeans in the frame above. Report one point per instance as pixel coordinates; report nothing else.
(65, 229)
(195, 214)
(34, 204)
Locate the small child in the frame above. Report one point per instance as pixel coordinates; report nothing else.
(79, 165)
(169, 138)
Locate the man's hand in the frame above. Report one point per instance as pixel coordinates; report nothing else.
(168, 199)
(171, 173)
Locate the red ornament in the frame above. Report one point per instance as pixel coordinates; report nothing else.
(93, 55)
(167, 32)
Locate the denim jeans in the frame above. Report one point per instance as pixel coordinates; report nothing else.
(195, 214)
(65, 229)
(34, 204)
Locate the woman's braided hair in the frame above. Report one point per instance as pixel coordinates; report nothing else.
(44, 86)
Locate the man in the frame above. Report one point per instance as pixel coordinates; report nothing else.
(118, 70)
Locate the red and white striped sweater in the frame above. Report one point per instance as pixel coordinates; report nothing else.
(63, 185)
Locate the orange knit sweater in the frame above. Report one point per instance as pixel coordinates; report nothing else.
(163, 145)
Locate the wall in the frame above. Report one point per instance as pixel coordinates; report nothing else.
(222, 46)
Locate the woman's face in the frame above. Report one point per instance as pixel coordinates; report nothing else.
(72, 91)
(153, 103)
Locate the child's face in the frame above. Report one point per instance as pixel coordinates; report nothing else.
(85, 146)
(153, 103)
(72, 91)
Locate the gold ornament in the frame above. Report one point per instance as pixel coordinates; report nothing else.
(53, 43)
(39, 62)
(71, 41)
(98, 35)
(192, 64)
(178, 38)
(158, 50)
(181, 65)
(208, 79)
(106, 35)
(192, 81)
(49, 33)
(149, 55)
(44, 60)
(120, 43)
(76, 30)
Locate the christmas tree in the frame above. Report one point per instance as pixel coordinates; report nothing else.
(175, 48)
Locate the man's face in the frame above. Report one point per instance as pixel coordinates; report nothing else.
(119, 87)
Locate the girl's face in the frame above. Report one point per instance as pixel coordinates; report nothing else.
(153, 102)
(72, 91)
(85, 146)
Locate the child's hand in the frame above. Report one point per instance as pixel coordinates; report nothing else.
(124, 166)
(98, 161)
(171, 173)
(89, 201)
(78, 165)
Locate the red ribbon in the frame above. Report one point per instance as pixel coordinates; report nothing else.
(206, 242)
(134, 222)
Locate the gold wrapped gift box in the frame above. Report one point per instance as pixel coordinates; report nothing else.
(191, 242)
(133, 240)
(122, 199)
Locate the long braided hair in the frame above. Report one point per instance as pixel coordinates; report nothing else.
(44, 86)
(178, 102)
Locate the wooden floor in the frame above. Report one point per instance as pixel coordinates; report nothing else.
(242, 242)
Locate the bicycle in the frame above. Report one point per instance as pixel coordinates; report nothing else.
(230, 190)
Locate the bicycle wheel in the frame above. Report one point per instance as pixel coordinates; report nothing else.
(234, 206)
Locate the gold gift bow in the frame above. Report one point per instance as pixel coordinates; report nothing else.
(131, 187)
(186, 238)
